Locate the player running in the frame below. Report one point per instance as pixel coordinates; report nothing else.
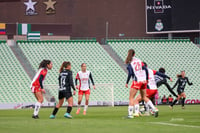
(139, 73)
(163, 81)
(181, 82)
(37, 85)
(84, 87)
(65, 83)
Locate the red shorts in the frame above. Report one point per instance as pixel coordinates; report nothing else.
(151, 93)
(138, 85)
(36, 89)
(81, 92)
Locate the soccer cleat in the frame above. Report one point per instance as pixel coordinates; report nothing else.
(156, 112)
(146, 114)
(67, 115)
(171, 107)
(52, 117)
(136, 114)
(35, 117)
(78, 111)
(183, 107)
(130, 117)
(84, 112)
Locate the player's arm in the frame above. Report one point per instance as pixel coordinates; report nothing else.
(175, 84)
(76, 80)
(161, 75)
(146, 71)
(71, 81)
(130, 73)
(40, 81)
(59, 78)
(90, 76)
(190, 83)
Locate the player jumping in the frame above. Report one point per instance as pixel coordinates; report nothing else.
(65, 83)
(181, 82)
(37, 85)
(84, 87)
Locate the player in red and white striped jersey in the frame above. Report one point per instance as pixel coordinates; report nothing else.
(84, 78)
(37, 85)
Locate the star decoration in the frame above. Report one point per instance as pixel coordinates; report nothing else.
(30, 5)
(50, 4)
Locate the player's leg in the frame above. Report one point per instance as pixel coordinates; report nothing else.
(80, 96)
(148, 101)
(136, 105)
(175, 101)
(39, 97)
(60, 103)
(87, 95)
(170, 89)
(69, 107)
(132, 94)
(183, 100)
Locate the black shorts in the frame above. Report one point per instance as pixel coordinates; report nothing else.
(64, 94)
(180, 91)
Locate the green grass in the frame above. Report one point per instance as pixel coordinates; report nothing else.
(102, 120)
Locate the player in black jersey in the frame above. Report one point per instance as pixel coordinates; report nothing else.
(181, 82)
(65, 83)
(163, 81)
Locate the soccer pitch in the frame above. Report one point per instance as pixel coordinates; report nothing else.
(102, 120)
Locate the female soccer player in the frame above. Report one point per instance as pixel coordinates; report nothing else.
(161, 80)
(181, 82)
(65, 83)
(84, 87)
(37, 85)
(139, 73)
(151, 90)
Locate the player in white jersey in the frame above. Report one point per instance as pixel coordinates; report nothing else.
(139, 73)
(151, 89)
(84, 78)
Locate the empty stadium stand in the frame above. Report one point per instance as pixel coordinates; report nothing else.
(102, 66)
(14, 82)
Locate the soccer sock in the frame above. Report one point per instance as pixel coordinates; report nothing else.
(174, 103)
(130, 110)
(69, 109)
(37, 108)
(55, 111)
(137, 108)
(85, 107)
(183, 101)
(147, 107)
(150, 104)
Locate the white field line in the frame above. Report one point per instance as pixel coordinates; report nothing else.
(175, 125)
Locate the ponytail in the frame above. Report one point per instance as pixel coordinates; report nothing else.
(65, 64)
(131, 53)
(44, 64)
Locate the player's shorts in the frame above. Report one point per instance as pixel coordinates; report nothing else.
(151, 93)
(138, 85)
(36, 89)
(180, 91)
(81, 92)
(64, 94)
